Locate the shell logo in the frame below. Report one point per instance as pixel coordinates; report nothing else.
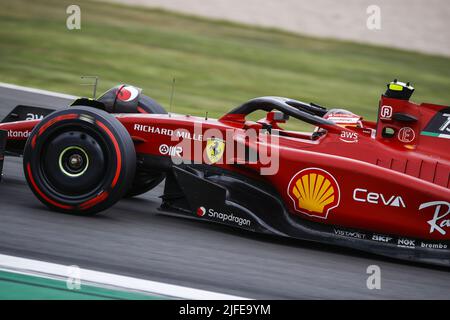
(314, 192)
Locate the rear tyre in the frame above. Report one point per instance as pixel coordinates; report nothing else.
(81, 160)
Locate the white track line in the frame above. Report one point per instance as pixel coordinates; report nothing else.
(58, 271)
(37, 91)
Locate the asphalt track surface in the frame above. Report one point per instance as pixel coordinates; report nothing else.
(134, 239)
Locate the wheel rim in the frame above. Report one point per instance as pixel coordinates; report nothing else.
(73, 161)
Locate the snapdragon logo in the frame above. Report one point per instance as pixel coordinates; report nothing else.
(224, 217)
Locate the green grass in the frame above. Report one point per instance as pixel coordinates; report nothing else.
(217, 65)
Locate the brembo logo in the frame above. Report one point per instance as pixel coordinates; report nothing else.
(362, 195)
(314, 192)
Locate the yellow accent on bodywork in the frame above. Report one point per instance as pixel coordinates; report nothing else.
(395, 87)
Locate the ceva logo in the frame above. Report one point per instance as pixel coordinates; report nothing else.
(362, 195)
(314, 192)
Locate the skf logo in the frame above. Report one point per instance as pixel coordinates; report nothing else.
(214, 150)
(201, 211)
(315, 192)
(386, 113)
(380, 238)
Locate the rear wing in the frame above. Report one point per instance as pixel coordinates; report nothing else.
(407, 125)
(3, 137)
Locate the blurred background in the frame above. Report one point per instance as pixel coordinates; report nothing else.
(224, 52)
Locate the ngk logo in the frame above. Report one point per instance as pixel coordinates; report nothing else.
(408, 243)
(386, 112)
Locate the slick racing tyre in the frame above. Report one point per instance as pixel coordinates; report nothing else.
(80, 160)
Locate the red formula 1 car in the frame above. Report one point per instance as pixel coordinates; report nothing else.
(381, 187)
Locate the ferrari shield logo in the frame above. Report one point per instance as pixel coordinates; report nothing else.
(214, 149)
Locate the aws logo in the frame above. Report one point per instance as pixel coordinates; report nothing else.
(314, 192)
